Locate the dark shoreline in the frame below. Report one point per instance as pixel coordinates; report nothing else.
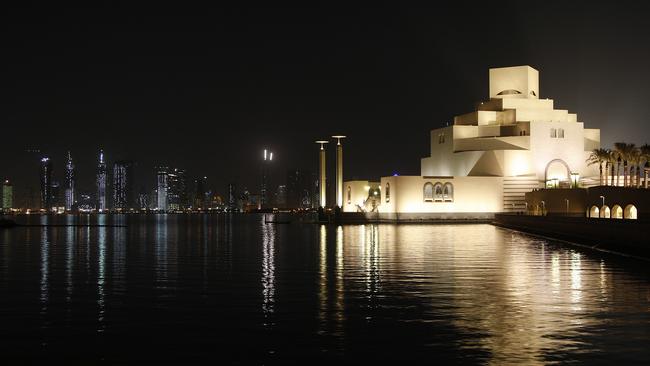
(615, 236)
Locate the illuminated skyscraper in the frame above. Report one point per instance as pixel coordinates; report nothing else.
(176, 190)
(232, 198)
(199, 201)
(268, 158)
(46, 183)
(69, 184)
(162, 189)
(123, 185)
(101, 183)
(7, 195)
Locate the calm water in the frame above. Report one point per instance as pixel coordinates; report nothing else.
(186, 289)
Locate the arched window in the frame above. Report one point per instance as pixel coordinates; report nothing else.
(437, 192)
(617, 212)
(448, 192)
(553, 133)
(387, 192)
(604, 212)
(594, 212)
(349, 195)
(630, 212)
(560, 133)
(428, 192)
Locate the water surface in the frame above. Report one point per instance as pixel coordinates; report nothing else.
(194, 288)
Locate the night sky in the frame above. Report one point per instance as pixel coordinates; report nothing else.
(206, 89)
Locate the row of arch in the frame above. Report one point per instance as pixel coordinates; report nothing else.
(438, 192)
(616, 212)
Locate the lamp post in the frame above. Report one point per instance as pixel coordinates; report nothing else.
(543, 208)
(322, 173)
(603, 198)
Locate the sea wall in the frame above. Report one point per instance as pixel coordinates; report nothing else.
(628, 237)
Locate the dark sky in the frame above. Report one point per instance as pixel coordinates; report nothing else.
(207, 89)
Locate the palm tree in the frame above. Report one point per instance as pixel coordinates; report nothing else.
(598, 156)
(624, 152)
(635, 169)
(645, 154)
(611, 159)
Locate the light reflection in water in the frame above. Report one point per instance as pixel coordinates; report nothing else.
(70, 244)
(322, 273)
(268, 268)
(340, 281)
(160, 250)
(491, 295)
(101, 271)
(45, 269)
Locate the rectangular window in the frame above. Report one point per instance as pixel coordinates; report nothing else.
(553, 133)
(560, 133)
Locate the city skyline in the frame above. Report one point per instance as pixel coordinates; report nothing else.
(208, 90)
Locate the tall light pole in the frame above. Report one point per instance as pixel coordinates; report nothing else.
(603, 198)
(339, 170)
(322, 173)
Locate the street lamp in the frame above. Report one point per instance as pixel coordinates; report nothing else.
(543, 208)
(567, 205)
(603, 198)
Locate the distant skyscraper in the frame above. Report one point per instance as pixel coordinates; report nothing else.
(281, 196)
(46, 183)
(123, 185)
(101, 183)
(162, 188)
(176, 190)
(69, 184)
(199, 201)
(143, 199)
(7, 195)
(55, 196)
(299, 188)
(265, 181)
(232, 198)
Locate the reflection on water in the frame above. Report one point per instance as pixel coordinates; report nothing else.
(171, 287)
(268, 267)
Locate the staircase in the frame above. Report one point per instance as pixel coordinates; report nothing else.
(514, 190)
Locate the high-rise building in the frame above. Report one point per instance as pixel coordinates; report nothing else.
(46, 183)
(199, 199)
(299, 188)
(101, 183)
(143, 199)
(176, 190)
(69, 184)
(161, 192)
(232, 198)
(265, 181)
(7, 195)
(55, 197)
(281, 196)
(123, 185)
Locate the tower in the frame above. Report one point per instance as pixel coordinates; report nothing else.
(69, 183)
(162, 189)
(46, 183)
(322, 173)
(7, 195)
(123, 184)
(339, 170)
(268, 158)
(101, 183)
